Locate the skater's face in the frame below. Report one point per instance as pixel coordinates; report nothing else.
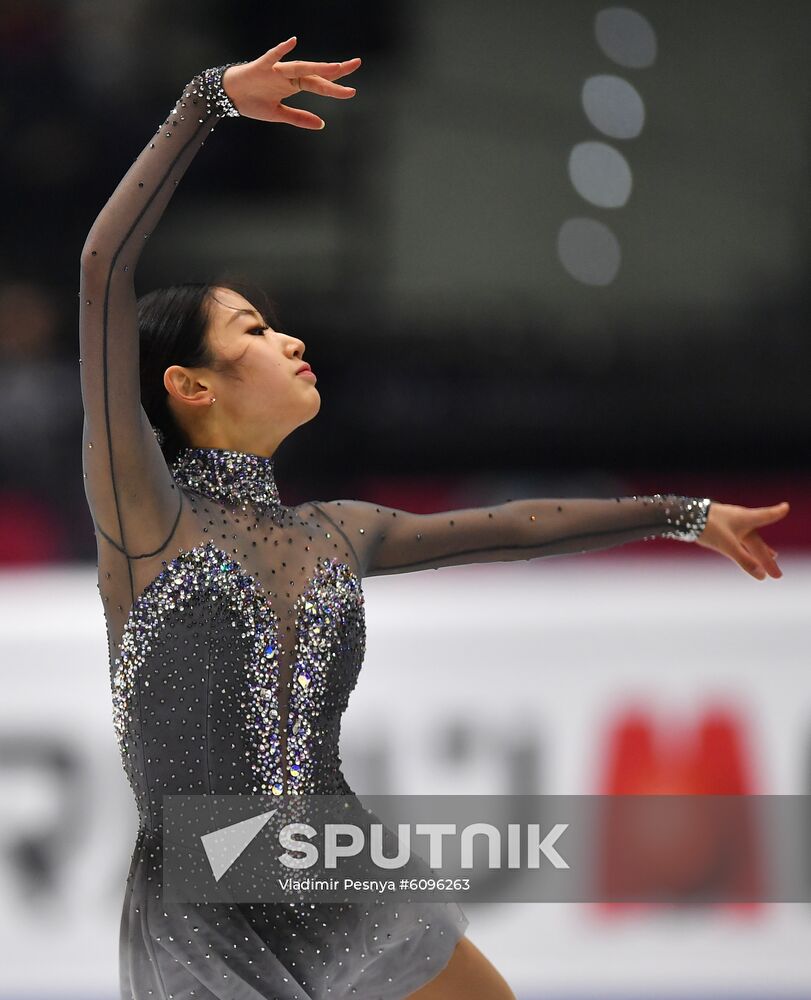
(259, 397)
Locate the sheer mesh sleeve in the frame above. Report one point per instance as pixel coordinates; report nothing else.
(132, 497)
(386, 540)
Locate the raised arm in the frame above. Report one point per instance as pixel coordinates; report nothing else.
(131, 494)
(132, 497)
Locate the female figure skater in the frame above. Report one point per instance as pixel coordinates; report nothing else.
(235, 623)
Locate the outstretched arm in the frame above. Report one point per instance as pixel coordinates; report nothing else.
(386, 540)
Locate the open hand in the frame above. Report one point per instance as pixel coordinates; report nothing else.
(732, 531)
(257, 88)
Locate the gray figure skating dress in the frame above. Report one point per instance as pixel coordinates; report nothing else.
(236, 632)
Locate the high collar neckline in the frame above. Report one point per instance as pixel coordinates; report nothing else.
(231, 477)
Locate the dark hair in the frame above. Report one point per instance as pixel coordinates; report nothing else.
(172, 327)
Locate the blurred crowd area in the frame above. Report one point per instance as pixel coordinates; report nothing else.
(83, 86)
(473, 397)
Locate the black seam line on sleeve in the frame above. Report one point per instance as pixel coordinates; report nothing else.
(510, 548)
(339, 530)
(105, 320)
(144, 555)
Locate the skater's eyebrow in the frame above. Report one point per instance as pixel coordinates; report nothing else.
(246, 312)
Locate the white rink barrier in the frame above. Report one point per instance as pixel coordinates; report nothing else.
(505, 677)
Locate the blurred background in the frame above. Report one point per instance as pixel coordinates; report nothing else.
(551, 248)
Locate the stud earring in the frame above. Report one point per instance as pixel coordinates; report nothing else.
(212, 399)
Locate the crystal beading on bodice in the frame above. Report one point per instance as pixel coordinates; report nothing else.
(272, 659)
(230, 477)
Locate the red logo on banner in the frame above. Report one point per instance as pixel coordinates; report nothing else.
(644, 851)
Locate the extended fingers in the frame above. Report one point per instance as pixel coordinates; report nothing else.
(298, 117)
(748, 562)
(317, 85)
(761, 551)
(768, 515)
(328, 70)
(277, 51)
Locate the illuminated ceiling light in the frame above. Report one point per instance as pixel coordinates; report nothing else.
(626, 37)
(589, 251)
(613, 106)
(600, 174)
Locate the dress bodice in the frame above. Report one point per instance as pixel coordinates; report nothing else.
(236, 660)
